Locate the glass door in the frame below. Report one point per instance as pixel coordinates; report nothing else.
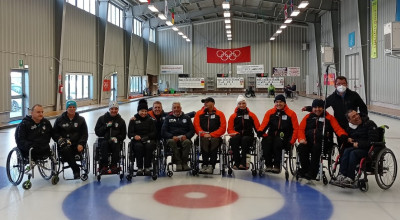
(114, 86)
(18, 92)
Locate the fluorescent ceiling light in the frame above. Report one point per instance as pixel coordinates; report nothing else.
(152, 8)
(162, 16)
(295, 13)
(288, 21)
(228, 31)
(227, 14)
(228, 26)
(283, 26)
(229, 38)
(275, 35)
(188, 40)
(227, 21)
(303, 4)
(272, 38)
(143, 1)
(169, 23)
(279, 31)
(229, 35)
(226, 5)
(184, 37)
(180, 33)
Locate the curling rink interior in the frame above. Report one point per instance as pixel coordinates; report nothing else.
(182, 196)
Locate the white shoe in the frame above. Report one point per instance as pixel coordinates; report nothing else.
(203, 169)
(340, 178)
(347, 181)
(210, 169)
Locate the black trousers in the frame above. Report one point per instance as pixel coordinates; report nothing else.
(67, 154)
(238, 142)
(143, 151)
(272, 150)
(107, 147)
(209, 150)
(307, 165)
(37, 153)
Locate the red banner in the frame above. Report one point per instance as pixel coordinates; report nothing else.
(331, 79)
(234, 55)
(106, 85)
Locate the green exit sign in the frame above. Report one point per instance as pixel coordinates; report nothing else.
(21, 63)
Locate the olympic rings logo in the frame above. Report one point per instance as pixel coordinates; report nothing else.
(228, 54)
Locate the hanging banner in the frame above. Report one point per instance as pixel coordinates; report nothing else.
(264, 82)
(171, 69)
(233, 82)
(191, 83)
(279, 71)
(235, 55)
(293, 71)
(250, 69)
(106, 85)
(331, 79)
(374, 28)
(398, 10)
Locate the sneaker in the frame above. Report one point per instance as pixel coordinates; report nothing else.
(347, 181)
(276, 169)
(147, 172)
(178, 167)
(340, 178)
(77, 175)
(210, 169)
(235, 167)
(268, 169)
(139, 172)
(115, 169)
(203, 169)
(241, 167)
(104, 170)
(185, 167)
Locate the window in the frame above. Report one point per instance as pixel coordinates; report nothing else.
(137, 27)
(87, 5)
(152, 37)
(72, 2)
(136, 84)
(78, 86)
(115, 15)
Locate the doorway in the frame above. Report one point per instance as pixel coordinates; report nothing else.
(19, 93)
(114, 86)
(353, 73)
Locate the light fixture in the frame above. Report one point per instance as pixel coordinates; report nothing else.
(228, 31)
(288, 21)
(188, 40)
(229, 38)
(227, 14)
(283, 26)
(184, 37)
(275, 35)
(295, 13)
(226, 5)
(228, 26)
(279, 31)
(227, 21)
(303, 4)
(175, 28)
(272, 38)
(152, 8)
(168, 23)
(162, 16)
(180, 33)
(229, 35)
(143, 1)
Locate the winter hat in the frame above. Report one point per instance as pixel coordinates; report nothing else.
(113, 104)
(240, 99)
(280, 98)
(208, 99)
(71, 103)
(318, 103)
(142, 105)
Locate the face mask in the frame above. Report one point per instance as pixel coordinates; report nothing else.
(341, 88)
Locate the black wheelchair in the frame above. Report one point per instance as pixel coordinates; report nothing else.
(251, 157)
(17, 166)
(82, 159)
(121, 166)
(249, 93)
(132, 172)
(380, 162)
(166, 166)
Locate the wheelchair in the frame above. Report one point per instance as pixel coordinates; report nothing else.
(380, 162)
(132, 172)
(251, 157)
(82, 159)
(166, 167)
(17, 166)
(97, 156)
(221, 156)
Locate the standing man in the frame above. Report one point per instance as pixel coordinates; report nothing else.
(178, 130)
(71, 134)
(34, 132)
(210, 125)
(112, 128)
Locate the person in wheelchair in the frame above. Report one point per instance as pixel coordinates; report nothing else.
(210, 124)
(112, 128)
(241, 126)
(310, 138)
(271, 90)
(158, 114)
(34, 132)
(71, 135)
(250, 92)
(362, 132)
(178, 130)
(142, 132)
(279, 130)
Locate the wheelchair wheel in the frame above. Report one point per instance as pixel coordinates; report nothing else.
(15, 166)
(385, 168)
(247, 94)
(55, 179)
(333, 168)
(27, 185)
(46, 168)
(363, 185)
(293, 160)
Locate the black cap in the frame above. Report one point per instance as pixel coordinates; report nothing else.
(208, 99)
(142, 105)
(318, 103)
(280, 98)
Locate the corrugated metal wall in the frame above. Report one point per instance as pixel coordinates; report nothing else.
(312, 62)
(114, 58)
(136, 61)
(26, 32)
(326, 41)
(385, 89)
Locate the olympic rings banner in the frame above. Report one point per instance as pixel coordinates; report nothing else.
(234, 55)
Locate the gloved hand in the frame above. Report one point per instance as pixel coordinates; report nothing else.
(114, 139)
(109, 124)
(63, 142)
(343, 138)
(260, 133)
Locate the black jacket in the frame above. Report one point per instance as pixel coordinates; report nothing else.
(176, 126)
(117, 129)
(29, 134)
(75, 130)
(144, 127)
(364, 134)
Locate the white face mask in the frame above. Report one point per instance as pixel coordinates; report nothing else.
(341, 88)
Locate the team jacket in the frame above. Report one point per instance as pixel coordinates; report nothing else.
(117, 129)
(29, 134)
(158, 120)
(144, 127)
(75, 130)
(364, 134)
(214, 122)
(243, 122)
(311, 128)
(277, 121)
(176, 126)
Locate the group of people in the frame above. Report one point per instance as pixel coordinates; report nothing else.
(279, 130)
